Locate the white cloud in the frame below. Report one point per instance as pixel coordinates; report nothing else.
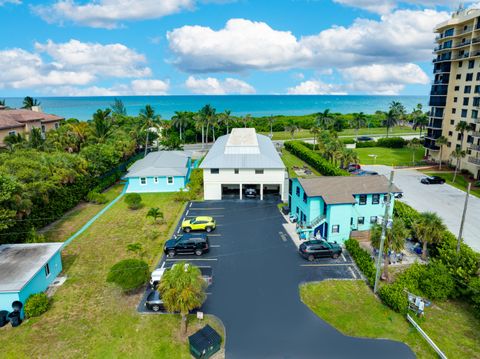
(15, 2)
(316, 87)
(150, 87)
(402, 36)
(213, 86)
(108, 13)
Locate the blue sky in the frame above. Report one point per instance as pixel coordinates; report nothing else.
(125, 47)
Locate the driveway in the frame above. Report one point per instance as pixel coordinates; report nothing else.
(444, 199)
(256, 274)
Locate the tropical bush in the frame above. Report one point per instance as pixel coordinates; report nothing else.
(314, 159)
(36, 305)
(129, 274)
(347, 141)
(365, 144)
(97, 198)
(475, 294)
(391, 142)
(394, 296)
(436, 282)
(133, 200)
(408, 214)
(362, 259)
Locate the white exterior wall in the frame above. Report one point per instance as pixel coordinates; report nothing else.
(213, 182)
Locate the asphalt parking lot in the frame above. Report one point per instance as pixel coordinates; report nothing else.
(256, 274)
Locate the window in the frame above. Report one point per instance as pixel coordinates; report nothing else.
(143, 181)
(471, 65)
(361, 220)
(259, 172)
(385, 198)
(362, 199)
(214, 171)
(474, 114)
(373, 219)
(464, 113)
(454, 110)
(477, 89)
(155, 179)
(460, 64)
(336, 228)
(467, 89)
(450, 133)
(478, 76)
(457, 88)
(43, 128)
(455, 99)
(449, 144)
(376, 198)
(465, 101)
(297, 191)
(56, 125)
(47, 270)
(304, 197)
(12, 132)
(351, 221)
(476, 101)
(452, 122)
(169, 180)
(459, 76)
(236, 171)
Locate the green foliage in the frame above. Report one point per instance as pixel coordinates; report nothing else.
(347, 141)
(474, 292)
(365, 144)
(436, 282)
(408, 214)
(134, 247)
(314, 159)
(96, 197)
(155, 213)
(391, 142)
(33, 236)
(394, 296)
(129, 274)
(36, 305)
(195, 185)
(362, 259)
(133, 200)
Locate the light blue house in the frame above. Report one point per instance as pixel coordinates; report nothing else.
(162, 171)
(336, 206)
(27, 269)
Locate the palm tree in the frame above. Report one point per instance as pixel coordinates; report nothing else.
(457, 154)
(101, 124)
(428, 229)
(118, 108)
(440, 142)
(155, 213)
(314, 131)
(246, 119)
(200, 123)
(359, 120)
(208, 112)
(12, 140)
(180, 121)
(149, 120)
(463, 127)
(29, 102)
(419, 119)
(292, 129)
(324, 119)
(395, 113)
(414, 145)
(226, 118)
(271, 120)
(183, 289)
(394, 240)
(35, 139)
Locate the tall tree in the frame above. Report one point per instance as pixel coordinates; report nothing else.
(118, 108)
(324, 119)
(35, 139)
(394, 240)
(414, 144)
(209, 113)
(359, 120)
(226, 119)
(200, 123)
(395, 114)
(29, 102)
(149, 120)
(101, 124)
(183, 289)
(271, 120)
(440, 142)
(314, 131)
(457, 154)
(419, 118)
(180, 121)
(428, 229)
(291, 128)
(463, 127)
(246, 119)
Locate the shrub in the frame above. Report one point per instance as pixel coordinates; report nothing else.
(394, 296)
(347, 141)
(95, 197)
(362, 258)
(475, 294)
(314, 159)
(36, 305)
(391, 142)
(133, 200)
(365, 144)
(129, 274)
(436, 281)
(408, 214)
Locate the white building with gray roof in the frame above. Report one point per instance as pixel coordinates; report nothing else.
(244, 164)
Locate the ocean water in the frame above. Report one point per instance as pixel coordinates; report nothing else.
(82, 108)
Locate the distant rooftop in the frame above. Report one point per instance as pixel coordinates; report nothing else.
(342, 189)
(15, 118)
(20, 262)
(161, 163)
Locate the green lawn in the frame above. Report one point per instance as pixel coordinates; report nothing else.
(389, 156)
(460, 182)
(284, 135)
(291, 160)
(451, 326)
(90, 318)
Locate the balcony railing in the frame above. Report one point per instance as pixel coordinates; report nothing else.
(475, 133)
(474, 160)
(463, 56)
(474, 148)
(468, 42)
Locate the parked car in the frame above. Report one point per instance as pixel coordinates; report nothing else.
(432, 180)
(157, 274)
(319, 249)
(251, 193)
(368, 173)
(364, 138)
(154, 301)
(353, 167)
(199, 224)
(197, 244)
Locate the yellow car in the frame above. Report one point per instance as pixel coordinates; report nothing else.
(199, 224)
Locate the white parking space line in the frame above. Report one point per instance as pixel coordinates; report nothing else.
(215, 245)
(178, 231)
(214, 235)
(190, 259)
(326, 265)
(343, 257)
(190, 205)
(219, 215)
(205, 209)
(186, 214)
(353, 273)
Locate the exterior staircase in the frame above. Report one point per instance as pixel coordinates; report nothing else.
(360, 236)
(317, 221)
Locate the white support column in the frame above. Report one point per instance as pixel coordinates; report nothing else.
(241, 191)
(261, 191)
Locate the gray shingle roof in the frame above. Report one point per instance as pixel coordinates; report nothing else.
(255, 154)
(338, 189)
(20, 262)
(161, 163)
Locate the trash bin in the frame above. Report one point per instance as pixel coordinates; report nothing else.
(3, 318)
(15, 320)
(205, 343)
(17, 306)
(285, 210)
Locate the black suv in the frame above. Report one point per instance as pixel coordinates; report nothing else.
(433, 180)
(154, 302)
(197, 244)
(319, 249)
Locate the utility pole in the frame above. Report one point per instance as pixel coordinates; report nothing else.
(384, 232)
(459, 240)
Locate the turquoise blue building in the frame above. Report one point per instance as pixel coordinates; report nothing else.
(162, 171)
(336, 206)
(27, 269)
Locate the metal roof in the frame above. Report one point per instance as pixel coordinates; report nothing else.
(161, 163)
(342, 189)
(228, 152)
(20, 262)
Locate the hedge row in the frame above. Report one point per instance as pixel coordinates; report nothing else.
(302, 151)
(387, 142)
(362, 258)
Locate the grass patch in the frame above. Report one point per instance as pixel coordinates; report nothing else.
(389, 156)
(349, 132)
(91, 318)
(365, 316)
(461, 182)
(291, 160)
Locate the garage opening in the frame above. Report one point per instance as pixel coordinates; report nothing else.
(271, 192)
(251, 191)
(230, 191)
